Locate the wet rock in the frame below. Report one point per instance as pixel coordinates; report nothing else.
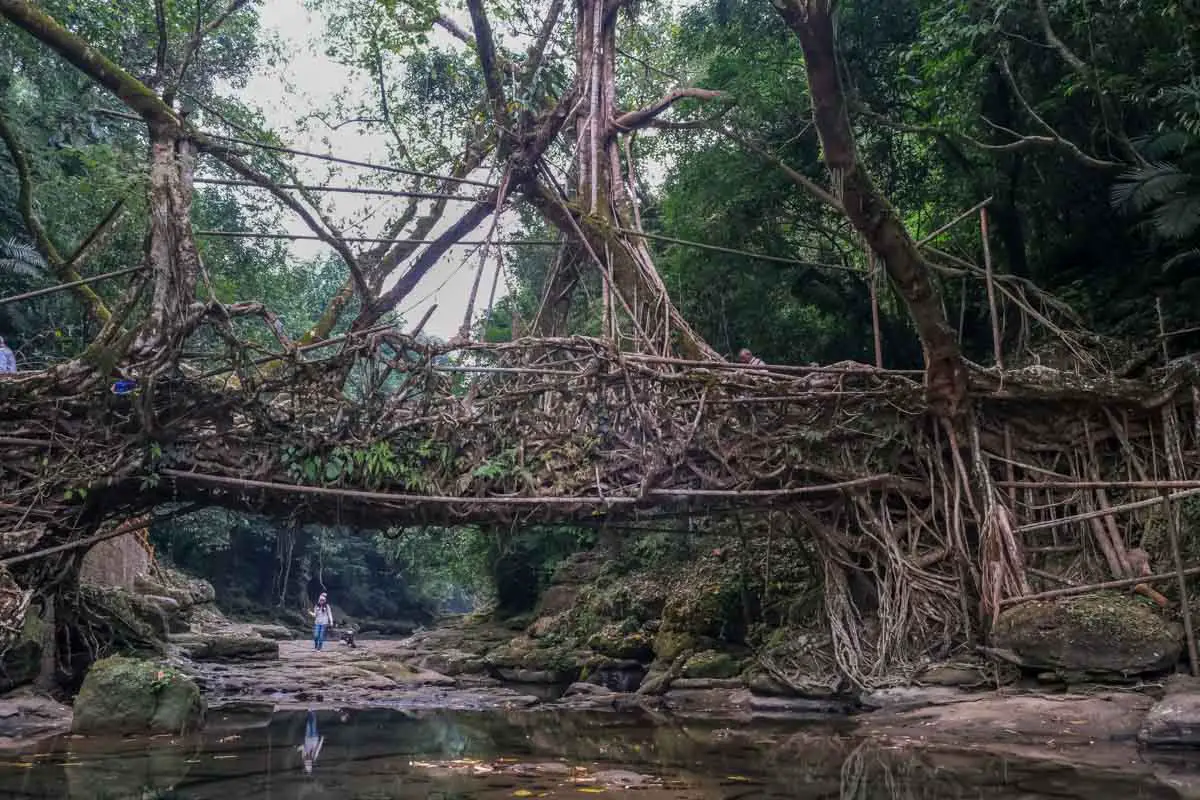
(950, 675)
(800, 706)
(227, 647)
(1034, 719)
(904, 698)
(279, 632)
(454, 662)
(24, 714)
(708, 683)
(184, 589)
(518, 675)
(1104, 633)
(763, 684)
(123, 695)
(711, 664)
(588, 689)
(616, 674)
(1172, 722)
(708, 700)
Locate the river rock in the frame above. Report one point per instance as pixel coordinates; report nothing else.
(227, 647)
(1174, 721)
(24, 714)
(1104, 633)
(279, 632)
(124, 695)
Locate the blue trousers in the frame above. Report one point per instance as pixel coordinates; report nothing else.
(318, 635)
(310, 728)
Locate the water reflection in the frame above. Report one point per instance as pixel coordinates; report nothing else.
(557, 756)
(312, 742)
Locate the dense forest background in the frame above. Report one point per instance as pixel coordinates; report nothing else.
(1079, 119)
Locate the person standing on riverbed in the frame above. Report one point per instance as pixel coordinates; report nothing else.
(322, 618)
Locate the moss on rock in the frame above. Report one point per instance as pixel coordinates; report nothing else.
(712, 664)
(125, 695)
(1106, 632)
(619, 641)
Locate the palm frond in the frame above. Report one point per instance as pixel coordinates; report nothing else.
(21, 259)
(1158, 146)
(1178, 218)
(1137, 190)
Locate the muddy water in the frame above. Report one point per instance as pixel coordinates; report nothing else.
(440, 755)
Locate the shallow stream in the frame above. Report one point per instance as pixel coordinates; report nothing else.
(447, 755)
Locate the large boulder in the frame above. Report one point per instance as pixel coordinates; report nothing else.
(125, 695)
(1101, 634)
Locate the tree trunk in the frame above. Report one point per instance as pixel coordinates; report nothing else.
(868, 210)
(603, 205)
(171, 248)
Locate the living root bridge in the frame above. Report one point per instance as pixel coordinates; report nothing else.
(945, 523)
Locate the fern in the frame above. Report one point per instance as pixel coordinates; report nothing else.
(21, 259)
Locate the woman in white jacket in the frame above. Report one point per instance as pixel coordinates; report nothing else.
(322, 618)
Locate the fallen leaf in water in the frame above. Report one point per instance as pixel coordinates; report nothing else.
(591, 789)
(736, 778)
(522, 793)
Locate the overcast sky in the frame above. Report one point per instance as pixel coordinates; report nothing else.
(308, 80)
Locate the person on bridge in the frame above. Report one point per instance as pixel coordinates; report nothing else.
(746, 357)
(322, 618)
(8, 361)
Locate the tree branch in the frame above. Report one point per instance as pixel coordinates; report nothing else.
(1059, 140)
(63, 270)
(537, 51)
(249, 173)
(454, 29)
(409, 280)
(197, 39)
(803, 181)
(91, 62)
(485, 45)
(869, 211)
(644, 116)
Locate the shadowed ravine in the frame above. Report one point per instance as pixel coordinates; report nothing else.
(380, 753)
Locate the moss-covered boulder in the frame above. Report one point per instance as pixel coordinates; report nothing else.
(125, 695)
(1104, 633)
(622, 641)
(712, 664)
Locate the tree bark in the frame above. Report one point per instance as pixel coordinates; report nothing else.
(868, 210)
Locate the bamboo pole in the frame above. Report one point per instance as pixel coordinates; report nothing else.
(1173, 531)
(1105, 512)
(978, 206)
(1095, 587)
(366, 190)
(997, 345)
(509, 500)
(120, 530)
(1155, 485)
(60, 287)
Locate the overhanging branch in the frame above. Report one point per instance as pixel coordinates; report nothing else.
(644, 116)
